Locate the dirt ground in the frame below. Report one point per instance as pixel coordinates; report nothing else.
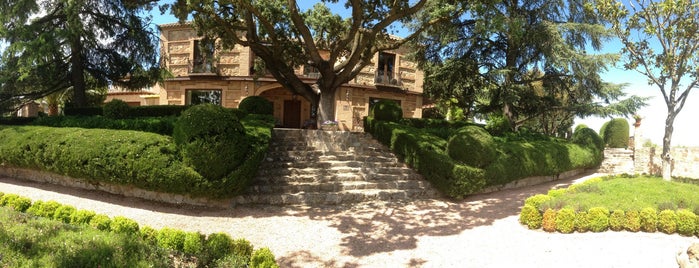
(480, 231)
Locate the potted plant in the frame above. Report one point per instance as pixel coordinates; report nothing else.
(638, 118)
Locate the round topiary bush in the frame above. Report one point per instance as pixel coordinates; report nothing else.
(617, 220)
(256, 105)
(171, 239)
(82, 216)
(565, 220)
(588, 138)
(193, 243)
(473, 146)
(582, 223)
(579, 127)
(16, 202)
(616, 134)
(598, 218)
(101, 222)
(217, 246)
(386, 110)
(498, 125)
(530, 216)
(242, 247)
(124, 225)
(686, 222)
(537, 200)
(667, 221)
(548, 220)
(63, 213)
(263, 258)
(649, 220)
(633, 221)
(211, 139)
(116, 109)
(43, 209)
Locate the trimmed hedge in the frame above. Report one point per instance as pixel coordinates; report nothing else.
(386, 110)
(144, 160)
(256, 105)
(16, 121)
(616, 133)
(116, 109)
(472, 146)
(158, 125)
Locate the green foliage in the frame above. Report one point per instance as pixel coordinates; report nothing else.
(217, 246)
(686, 222)
(148, 234)
(242, 247)
(579, 127)
(473, 146)
(211, 140)
(633, 221)
(233, 261)
(16, 121)
(598, 219)
(29, 241)
(116, 109)
(16, 202)
(158, 110)
(263, 258)
(603, 131)
(256, 105)
(124, 225)
(530, 216)
(548, 220)
(649, 220)
(582, 222)
(565, 220)
(667, 221)
(617, 220)
(171, 239)
(82, 111)
(386, 110)
(101, 222)
(537, 200)
(82, 216)
(556, 192)
(158, 125)
(498, 125)
(193, 243)
(64, 213)
(44, 209)
(432, 113)
(617, 133)
(587, 138)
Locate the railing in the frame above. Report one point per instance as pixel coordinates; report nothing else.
(389, 79)
(202, 67)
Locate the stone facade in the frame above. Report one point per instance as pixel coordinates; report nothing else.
(685, 161)
(228, 76)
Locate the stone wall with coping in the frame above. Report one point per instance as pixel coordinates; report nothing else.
(685, 161)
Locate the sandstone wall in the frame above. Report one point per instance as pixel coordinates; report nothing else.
(685, 162)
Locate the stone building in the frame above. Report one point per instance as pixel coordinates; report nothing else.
(203, 74)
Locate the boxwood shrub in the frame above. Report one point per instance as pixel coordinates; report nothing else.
(386, 110)
(598, 218)
(256, 105)
(686, 222)
(582, 222)
(263, 258)
(616, 134)
(616, 220)
(473, 146)
(193, 243)
(633, 221)
(530, 216)
(116, 109)
(548, 220)
(63, 213)
(649, 220)
(667, 221)
(125, 225)
(159, 125)
(565, 220)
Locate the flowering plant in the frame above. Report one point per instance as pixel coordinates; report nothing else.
(329, 123)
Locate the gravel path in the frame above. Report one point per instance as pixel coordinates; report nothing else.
(481, 231)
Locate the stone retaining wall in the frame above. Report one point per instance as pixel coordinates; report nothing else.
(685, 161)
(530, 181)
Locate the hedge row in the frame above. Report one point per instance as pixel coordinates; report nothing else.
(144, 160)
(514, 159)
(139, 111)
(217, 249)
(159, 125)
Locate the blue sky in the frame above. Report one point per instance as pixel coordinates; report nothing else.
(654, 114)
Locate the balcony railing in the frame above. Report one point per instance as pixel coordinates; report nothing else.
(387, 79)
(202, 67)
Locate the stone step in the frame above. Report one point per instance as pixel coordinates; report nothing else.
(341, 177)
(337, 170)
(327, 164)
(336, 186)
(335, 198)
(329, 158)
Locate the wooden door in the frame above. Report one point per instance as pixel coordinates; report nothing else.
(292, 114)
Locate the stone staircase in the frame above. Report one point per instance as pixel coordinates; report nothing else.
(617, 161)
(313, 167)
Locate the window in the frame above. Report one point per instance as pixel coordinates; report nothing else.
(203, 56)
(201, 96)
(310, 71)
(387, 62)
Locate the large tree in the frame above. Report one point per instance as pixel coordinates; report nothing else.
(514, 46)
(661, 41)
(283, 36)
(57, 45)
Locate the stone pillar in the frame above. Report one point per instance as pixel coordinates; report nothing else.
(638, 149)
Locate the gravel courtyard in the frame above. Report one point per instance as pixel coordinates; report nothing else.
(480, 231)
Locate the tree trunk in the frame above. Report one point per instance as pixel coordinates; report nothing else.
(666, 157)
(326, 105)
(53, 109)
(77, 76)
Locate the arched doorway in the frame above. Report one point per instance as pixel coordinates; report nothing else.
(290, 111)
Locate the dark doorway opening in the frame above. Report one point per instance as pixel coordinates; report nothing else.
(292, 114)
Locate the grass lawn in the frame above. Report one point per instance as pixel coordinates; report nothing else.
(628, 194)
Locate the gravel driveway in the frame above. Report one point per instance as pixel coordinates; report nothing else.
(480, 231)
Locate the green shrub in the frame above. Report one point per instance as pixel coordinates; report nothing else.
(217, 246)
(256, 105)
(16, 202)
(158, 125)
(537, 200)
(63, 213)
(432, 113)
(386, 110)
(603, 130)
(82, 216)
(616, 134)
(686, 222)
(617, 220)
(233, 261)
(598, 218)
(473, 146)
(158, 110)
(44, 209)
(149, 234)
(649, 220)
(242, 247)
(548, 221)
(82, 111)
(116, 109)
(579, 127)
(582, 222)
(211, 139)
(124, 225)
(556, 192)
(530, 216)
(667, 221)
(171, 239)
(565, 220)
(498, 125)
(101, 222)
(16, 121)
(193, 243)
(6, 198)
(263, 258)
(588, 138)
(633, 221)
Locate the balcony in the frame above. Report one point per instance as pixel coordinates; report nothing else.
(202, 67)
(387, 79)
